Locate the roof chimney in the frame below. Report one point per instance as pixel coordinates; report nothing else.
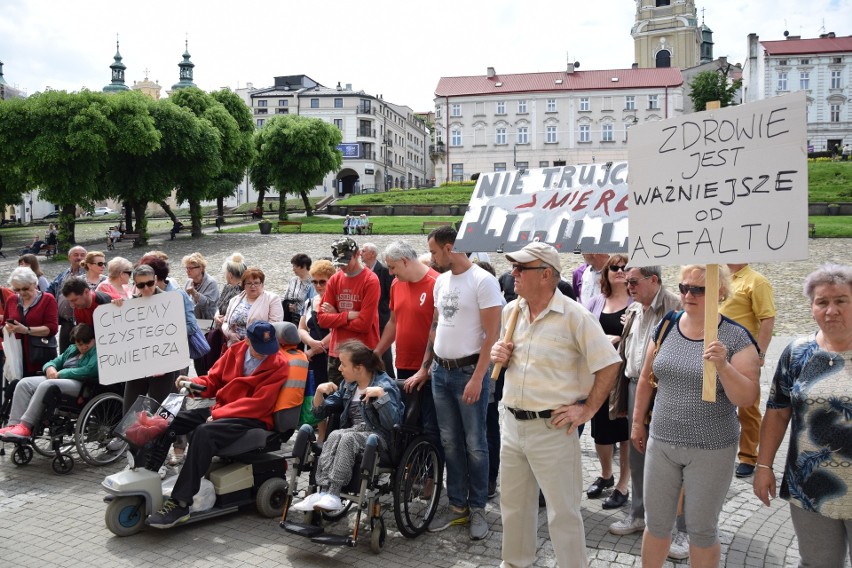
(635, 66)
(491, 73)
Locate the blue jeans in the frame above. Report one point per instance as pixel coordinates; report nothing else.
(462, 428)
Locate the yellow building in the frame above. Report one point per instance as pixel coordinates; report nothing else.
(667, 34)
(148, 88)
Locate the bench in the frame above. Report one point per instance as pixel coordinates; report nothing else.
(429, 225)
(127, 236)
(295, 224)
(812, 230)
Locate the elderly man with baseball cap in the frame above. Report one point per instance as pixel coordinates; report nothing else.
(560, 368)
(350, 304)
(245, 381)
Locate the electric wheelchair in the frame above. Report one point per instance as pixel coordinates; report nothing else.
(84, 422)
(411, 471)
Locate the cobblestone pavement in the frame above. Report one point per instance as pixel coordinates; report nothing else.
(50, 520)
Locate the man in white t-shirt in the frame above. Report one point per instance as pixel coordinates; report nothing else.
(465, 326)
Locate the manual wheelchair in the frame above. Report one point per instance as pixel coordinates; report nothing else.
(411, 470)
(84, 422)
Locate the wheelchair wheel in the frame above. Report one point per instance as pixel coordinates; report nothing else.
(378, 534)
(332, 516)
(62, 464)
(43, 445)
(272, 497)
(125, 516)
(93, 432)
(417, 486)
(22, 455)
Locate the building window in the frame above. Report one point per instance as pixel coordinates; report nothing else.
(805, 62)
(455, 137)
(455, 109)
(522, 165)
(501, 107)
(458, 172)
(835, 80)
(261, 103)
(283, 102)
(260, 122)
(338, 122)
(782, 81)
(630, 102)
(606, 132)
(522, 107)
(282, 111)
(584, 104)
(585, 133)
(500, 136)
(662, 3)
(261, 111)
(543, 164)
(653, 102)
(551, 105)
(523, 135)
(663, 59)
(338, 103)
(314, 103)
(499, 166)
(804, 80)
(782, 62)
(834, 113)
(550, 134)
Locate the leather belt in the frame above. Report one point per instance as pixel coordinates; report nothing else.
(450, 364)
(528, 414)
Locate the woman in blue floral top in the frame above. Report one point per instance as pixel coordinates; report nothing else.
(812, 386)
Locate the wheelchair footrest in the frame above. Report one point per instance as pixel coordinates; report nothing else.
(333, 540)
(302, 529)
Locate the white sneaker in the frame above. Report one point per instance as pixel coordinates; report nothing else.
(627, 525)
(329, 502)
(679, 548)
(116, 444)
(307, 504)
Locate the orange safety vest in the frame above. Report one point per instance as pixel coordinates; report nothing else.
(292, 392)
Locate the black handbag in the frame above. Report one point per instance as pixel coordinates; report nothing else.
(40, 349)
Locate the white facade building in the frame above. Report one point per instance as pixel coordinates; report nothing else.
(822, 67)
(497, 122)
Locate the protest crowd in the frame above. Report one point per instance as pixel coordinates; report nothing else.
(506, 370)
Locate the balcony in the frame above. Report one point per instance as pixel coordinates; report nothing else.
(365, 109)
(437, 151)
(367, 132)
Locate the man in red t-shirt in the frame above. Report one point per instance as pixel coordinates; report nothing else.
(84, 300)
(412, 306)
(350, 304)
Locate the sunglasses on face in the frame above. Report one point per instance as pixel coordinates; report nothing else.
(143, 285)
(128, 272)
(315, 282)
(695, 290)
(101, 263)
(520, 268)
(617, 268)
(635, 281)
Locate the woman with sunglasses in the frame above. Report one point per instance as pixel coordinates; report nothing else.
(117, 284)
(691, 444)
(316, 338)
(252, 304)
(609, 307)
(30, 313)
(95, 265)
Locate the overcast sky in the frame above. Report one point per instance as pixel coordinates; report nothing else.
(397, 49)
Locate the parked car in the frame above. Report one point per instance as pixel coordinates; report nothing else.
(51, 215)
(103, 211)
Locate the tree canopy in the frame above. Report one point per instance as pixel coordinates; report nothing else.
(713, 86)
(296, 153)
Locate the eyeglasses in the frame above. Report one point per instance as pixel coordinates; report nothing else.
(634, 281)
(618, 268)
(192, 267)
(695, 290)
(128, 272)
(19, 290)
(315, 282)
(253, 284)
(519, 268)
(101, 263)
(143, 285)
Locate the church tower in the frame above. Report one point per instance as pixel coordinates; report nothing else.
(185, 71)
(118, 69)
(667, 34)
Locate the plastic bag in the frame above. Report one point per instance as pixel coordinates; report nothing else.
(13, 368)
(147, 427)
(203, 500)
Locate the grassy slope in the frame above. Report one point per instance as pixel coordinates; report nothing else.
(829, 182)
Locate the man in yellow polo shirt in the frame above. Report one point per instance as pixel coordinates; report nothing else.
(751, 304)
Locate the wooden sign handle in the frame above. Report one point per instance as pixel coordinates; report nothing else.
(507, 337)
(711, 328)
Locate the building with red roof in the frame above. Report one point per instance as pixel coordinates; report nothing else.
(821, 66)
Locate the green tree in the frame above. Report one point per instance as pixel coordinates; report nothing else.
(13, 124)
(239, 157)
(713, 86)
(298, 152)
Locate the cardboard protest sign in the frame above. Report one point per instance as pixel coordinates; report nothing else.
(570, 207)
(144, 337)
(721, 186)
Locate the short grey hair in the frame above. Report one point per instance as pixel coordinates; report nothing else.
(370, 247)
(648, 271)
(23, 276)
(837, 274)
(399, 250)
(144, 270)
